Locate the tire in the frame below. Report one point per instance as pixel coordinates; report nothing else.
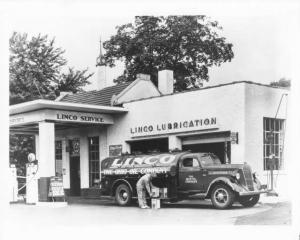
(249, 201)
(123, 195)
(222, 196)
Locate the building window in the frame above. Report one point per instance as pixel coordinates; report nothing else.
(58, 158)
(94, 171)
(273, 143)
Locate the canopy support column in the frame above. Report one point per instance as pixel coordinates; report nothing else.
(46, 151)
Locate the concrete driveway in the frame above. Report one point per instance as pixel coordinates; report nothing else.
(105, 212)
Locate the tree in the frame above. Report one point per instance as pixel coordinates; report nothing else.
(188, 45)
(283, 82)
(73, 80)
(35, 69)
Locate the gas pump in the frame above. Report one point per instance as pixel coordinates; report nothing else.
(272, 167)
(31, 180)
(13, 183)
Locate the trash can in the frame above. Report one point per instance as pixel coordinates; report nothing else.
(43, 186)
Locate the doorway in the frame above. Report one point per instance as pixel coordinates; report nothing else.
(159, 145)
(74, 167)
(220, 149)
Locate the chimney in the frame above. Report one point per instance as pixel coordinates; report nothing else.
(165, 82)
(143, 76)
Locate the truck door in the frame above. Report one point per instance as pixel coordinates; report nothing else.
(189, 176)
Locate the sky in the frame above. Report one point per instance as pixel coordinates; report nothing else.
(262, 32)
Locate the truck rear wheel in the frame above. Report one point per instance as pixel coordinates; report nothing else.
(222, 196)
(249, 201)
(123, 195)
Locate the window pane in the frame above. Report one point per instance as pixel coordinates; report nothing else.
(268, 150)
(195, 163)
(272, 127)
(276, 136)
(267, 124)
(275, 145)
(94, 161)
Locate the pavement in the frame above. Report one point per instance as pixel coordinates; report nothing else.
(88, 212)
(92, 218)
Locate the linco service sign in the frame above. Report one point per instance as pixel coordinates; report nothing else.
(175, 126)
(81, 117)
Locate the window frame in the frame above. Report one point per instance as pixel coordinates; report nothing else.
(58, 157)
(94, 160)
(192, 156)
(274, 128)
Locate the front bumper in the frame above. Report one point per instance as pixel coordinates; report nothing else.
(253, 192)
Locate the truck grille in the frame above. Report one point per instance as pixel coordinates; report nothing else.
(248, 177)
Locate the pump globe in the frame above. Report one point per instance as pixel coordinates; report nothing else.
(31, 157)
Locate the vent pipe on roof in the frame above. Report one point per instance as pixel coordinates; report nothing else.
(62, 95)
(166, 82)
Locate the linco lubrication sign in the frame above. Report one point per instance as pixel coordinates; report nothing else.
(174, 126)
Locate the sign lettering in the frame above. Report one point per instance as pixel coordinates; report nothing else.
(83, 117)
(196, 124)
(56, 188)
(115, 150)
(134, 171)
(148, 160)
(190, 179)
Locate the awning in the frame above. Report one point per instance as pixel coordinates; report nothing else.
(24, 117)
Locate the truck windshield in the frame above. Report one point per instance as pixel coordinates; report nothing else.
(209, 160)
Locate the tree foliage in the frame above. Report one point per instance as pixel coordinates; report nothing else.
(20, 147)
(283, 82)
(188, 45)
(73, 80)
(35, 69)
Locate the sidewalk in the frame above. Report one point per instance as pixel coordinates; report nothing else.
(273, 199)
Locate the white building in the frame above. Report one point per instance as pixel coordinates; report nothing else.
(74, 133)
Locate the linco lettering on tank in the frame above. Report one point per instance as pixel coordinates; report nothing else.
(148, 160)
(174, 126)
(134, 171)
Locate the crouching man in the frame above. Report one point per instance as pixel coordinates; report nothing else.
(144, 184)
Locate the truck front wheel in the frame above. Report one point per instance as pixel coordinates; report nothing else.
(222, 196)
(123, 195)
(249, 201)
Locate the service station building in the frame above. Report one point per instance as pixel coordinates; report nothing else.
(76, 131)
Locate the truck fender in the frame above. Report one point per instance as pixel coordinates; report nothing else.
(117, 182)
(223, 180)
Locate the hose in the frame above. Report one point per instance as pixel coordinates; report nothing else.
(33, 175)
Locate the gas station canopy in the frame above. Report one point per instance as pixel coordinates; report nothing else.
(24, 117)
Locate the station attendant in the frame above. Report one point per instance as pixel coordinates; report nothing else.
(144, 184)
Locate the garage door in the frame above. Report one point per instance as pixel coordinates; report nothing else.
(216, 143)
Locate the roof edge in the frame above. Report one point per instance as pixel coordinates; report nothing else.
(130, 86)
(67, 106)
(210, 87)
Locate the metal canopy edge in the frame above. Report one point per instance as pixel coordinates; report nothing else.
(48, 104)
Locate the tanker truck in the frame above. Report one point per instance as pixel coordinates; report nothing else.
(184, 175)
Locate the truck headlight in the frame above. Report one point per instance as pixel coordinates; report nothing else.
(237, 176)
